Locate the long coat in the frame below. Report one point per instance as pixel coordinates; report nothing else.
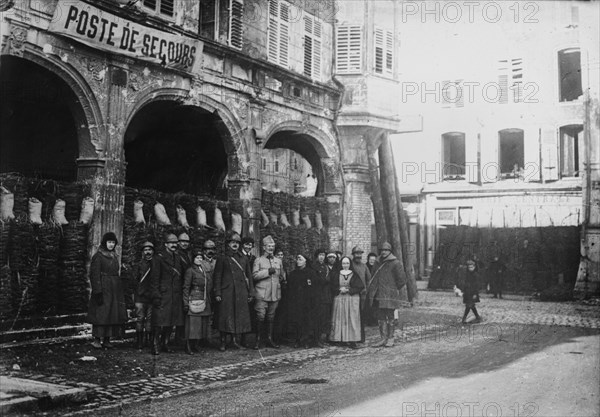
(495, 272)
(167, 290)
(105, 280)
(469, 284)
(234, 285)
(386, 284)
(302, 300)
(197, 285)
(323, 288)
(142, 291)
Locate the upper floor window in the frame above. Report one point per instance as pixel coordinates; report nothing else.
(209, 19)
(569, 150)
(313, 29)
(163, 8)
(511, 152)
(264, 164)
(569, 73)
(384, 51)
(279, 31)
(452, 94)
(276, 165)
(348, 53)
(453, 151)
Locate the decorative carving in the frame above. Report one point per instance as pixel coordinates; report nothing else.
(272, 117)
(16, 40)
(332, 175)
(95, 67)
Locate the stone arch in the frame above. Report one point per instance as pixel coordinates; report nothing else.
(88, 116)
(227, 159)
(229, 128)
(318, 147)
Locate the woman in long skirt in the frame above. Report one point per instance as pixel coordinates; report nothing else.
(346, 288)
(107, 311)
(197, 286)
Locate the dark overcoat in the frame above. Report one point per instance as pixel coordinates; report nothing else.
(495, 272)
(167, 290)
(233, 284)
(386, 284)
(142, 291)
(302, 301)
(197, 285)
(469, 282)
(106, 280)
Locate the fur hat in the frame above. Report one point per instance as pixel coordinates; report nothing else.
(247, 239)
(109, 236)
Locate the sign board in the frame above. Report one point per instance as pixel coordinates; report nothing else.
(103, 30)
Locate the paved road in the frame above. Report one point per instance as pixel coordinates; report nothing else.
(529, 353)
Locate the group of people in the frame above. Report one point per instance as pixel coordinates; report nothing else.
(327, 298)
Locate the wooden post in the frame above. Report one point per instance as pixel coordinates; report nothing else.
(378, 211)
(388, 179)
(408, 249)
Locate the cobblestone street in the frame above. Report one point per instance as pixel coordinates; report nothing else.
(435, 315)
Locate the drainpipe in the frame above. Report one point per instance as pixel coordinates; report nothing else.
(340, 85)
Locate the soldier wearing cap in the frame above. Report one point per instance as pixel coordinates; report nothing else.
(365, 276)
(383, 292)
(233, 292)
(209, 252)
(183, 250)
(267, 273)
(167, 294)
(142, 295)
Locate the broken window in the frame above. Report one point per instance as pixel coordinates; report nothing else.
(453, 150)
(163, 8)
(348, 53)
(569, 72)
(511, 152)
(222, 19)
(569, 150)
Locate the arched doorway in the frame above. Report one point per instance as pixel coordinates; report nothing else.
(291, 162)
(175, 148)
(41, 119)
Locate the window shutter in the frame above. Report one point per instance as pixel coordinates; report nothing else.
(312, 47)
(167, 7)
(517, 79)
(273, 46)
(389, 54)
(284, 14)
(348, 54)
(151, 4)
(550, 167)
(236, 32)
(460, 98)
(379, 47)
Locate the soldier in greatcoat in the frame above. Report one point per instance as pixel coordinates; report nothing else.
(142, 295)
(233, 292)
(167, 294)
(384, 293)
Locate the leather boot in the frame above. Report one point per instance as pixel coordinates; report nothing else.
(382, 334)
(390, 334)
(260, 326)
(222, 345)
(140, 340)
(155, 341)
(270, 341)
(188, 347)
(166, 332)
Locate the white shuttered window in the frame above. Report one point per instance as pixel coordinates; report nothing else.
(313, 29)
(384, 51)
(279, 30)
(348, 53)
